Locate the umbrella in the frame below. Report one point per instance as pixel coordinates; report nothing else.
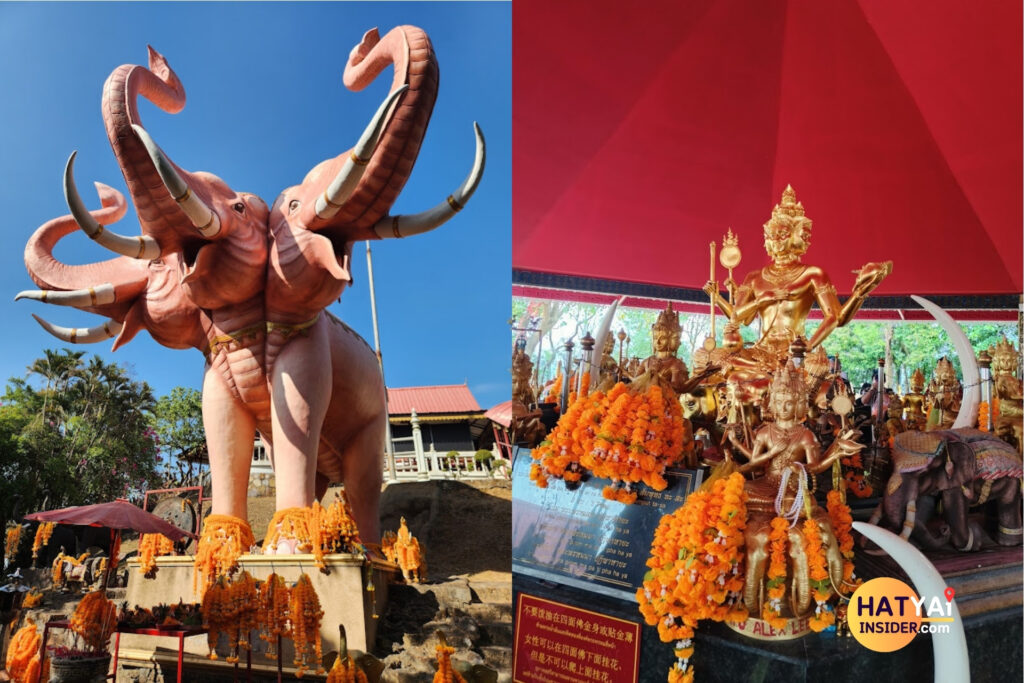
(116, 515)
(649, 131)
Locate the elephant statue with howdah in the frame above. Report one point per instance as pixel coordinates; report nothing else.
(959, 468)
(218, 270)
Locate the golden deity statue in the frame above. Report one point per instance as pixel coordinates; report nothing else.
(609, 367)
(943, 396)
(782, 293)
(1008, 393)
(894, 423)
(786, 455)
(668, 369)
(522, 374)
(914, 403)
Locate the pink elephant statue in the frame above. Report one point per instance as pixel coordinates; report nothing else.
(247, 284)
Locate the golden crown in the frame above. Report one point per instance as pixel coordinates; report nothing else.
(789, 212)
(917, 379)
(667, 320)
(789, 380)
(1004, 355)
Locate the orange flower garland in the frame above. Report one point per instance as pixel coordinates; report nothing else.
(32, 599)
(818, 571)
(23, 654)
(11, 542)
(853, 473)
(223, 541)
(771, 610)
(43, 533)
(842, 525)
(560, 454)
(696, 567)
(408, 555)
(274, 612)
(152, 546)
(305, 625)
(387, 546)
(216, 611)
(290, 524)
(345, 671)
(554, 391)
(95, 620)
(445, 673)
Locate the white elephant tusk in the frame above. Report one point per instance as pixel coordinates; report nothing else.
(344, 184)
(93, 296)
(81, 335)
(950, 659)
(205, 219)
(968, 363)
(599, 341)
(140, 247)
(404, 226)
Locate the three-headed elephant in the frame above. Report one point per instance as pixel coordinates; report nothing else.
(959, 468)
(246, 283)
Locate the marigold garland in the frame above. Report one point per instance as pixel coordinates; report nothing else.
(95, 620)
(291, 524)
(983, 413)
(274, 612)
(696, 567)
(819, 579)
(23, 654)
(409, 555)
(560, 454)
(43, 533)
(152, 546)
(842, 526)
(32, 599)
(853, 474)
(11, 543)
(345, 671)
(771, 610)
(554, 390)
(445, 673)
(223, 541)
(306, 616)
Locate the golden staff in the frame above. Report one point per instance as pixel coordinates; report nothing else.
(715, 292)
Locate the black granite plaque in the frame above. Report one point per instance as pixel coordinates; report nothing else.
(577, 537)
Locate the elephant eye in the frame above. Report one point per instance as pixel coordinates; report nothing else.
(293, 205)
(239, 207)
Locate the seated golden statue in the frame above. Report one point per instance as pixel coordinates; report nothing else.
(894, 424)
(943, 396)
(785, 454)
(665, 367)
(608, 366)
(1007, 413)
(782, 293)
(522, 375)
(914, 403)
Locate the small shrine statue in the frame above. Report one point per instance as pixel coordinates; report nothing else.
(526, 425)
(608, 366)
(943, 396)
(1006, 413)
(894, 422)
(522, 374)
(409, 555)
(782, 293)
(914, 403)
(785, 454)
(664, 364)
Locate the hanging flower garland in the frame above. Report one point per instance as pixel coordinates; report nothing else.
(696, 567)
(306, 616)
(273, 605)
(152, 546)
(43, 533)
(95, 620)
(554, 390)
(294, 525)
(231, 607)
(32, 599)
(445, 673)
(11, 543)
(223, 541)
(23, 654)
(817, 568)
(771, 610)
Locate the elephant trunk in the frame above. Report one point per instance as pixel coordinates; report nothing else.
(159, 215)
(409, 49)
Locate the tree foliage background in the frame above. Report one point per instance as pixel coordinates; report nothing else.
(77, 431)
(859, 345)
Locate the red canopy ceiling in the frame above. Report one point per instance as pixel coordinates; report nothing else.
(641, 134)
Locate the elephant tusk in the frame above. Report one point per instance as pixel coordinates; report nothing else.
(968, 363)
(951, 660)
(205, 219)
(140, 247)
(81, 335)
(909, 520)
(93, 296)
(403, 226)
(603, 330)
(344, 184)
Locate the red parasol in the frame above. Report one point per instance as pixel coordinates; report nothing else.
(116, 515)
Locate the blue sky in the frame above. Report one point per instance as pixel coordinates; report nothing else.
(265, 103)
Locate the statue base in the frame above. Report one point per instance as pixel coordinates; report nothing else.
(759, 629)
(342, 592)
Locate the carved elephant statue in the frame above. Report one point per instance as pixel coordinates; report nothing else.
(959, 468)
(246, 284)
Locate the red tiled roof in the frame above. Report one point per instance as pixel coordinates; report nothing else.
(451, 398)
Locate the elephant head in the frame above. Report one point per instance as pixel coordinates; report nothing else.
(346, 198)
(203, 245)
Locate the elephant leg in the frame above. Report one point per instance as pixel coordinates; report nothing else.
(363, 476)
(1008, 499)
(922, 534)
(954, 506)
(229, 437)
(757, 560)
(800, 586)
(300, 391)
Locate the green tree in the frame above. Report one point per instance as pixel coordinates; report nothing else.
(73, 433)
(181, 438)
